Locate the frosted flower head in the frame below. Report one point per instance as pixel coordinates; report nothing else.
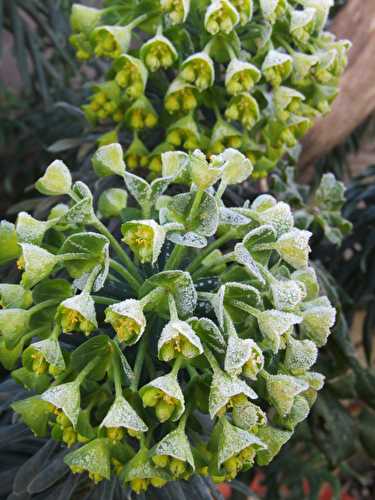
(226, 392)
(236, 167)
(131, 75)
(277, 67)
(293, 247)
(198, 70)
(158, 52)
(224, 136)
(318, 318)
(302, 24)
(308, 280)
(287, 294)
(178, 338)
(221, 16)
(241, 76)
(36, 264)
(243, 108)
(180, 97)
(173, 453)
(14, 296)
(141, 114)
(122, 417)
(56, 180)
(64, 397)
(273, 9)
(112, 201)
(109, 160)
(203, 174)
(184, 132)
(236, 448)
(145, 238)
(275, 325)
(127, 319)
(243, 356)
(245, 10)
(93, 457)
(300, 355)
(111, 41)
(77, 314)
(282, 390)
(140, 472)
(165, 396)
(30, 230)
(297, 414)
(287, 100)
(44, 356)
(176, 10)
(249, 416)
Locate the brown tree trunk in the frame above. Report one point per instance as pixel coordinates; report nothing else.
(356, 100)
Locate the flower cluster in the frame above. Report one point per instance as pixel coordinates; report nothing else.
(198, 309)
(252, 75)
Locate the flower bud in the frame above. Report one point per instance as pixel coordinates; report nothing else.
(176, 10)
(56, 180)
(282, 390)
(302, 24)
(108, 160)
(14, 296)
(224, 136)
(131, 75)
(180, 97)
(308, 279)
(287, 294)
(165, 395)
(203, 174)
(140, 472)
(111, 41)
(245, 10)
(184, 132)
(137, 155)
(221, 16)
(65, 397)
(274, 325)
(77, 314)
(158, 52)
(42, 356)
(241, 77)
(322, 8)
(127, 319)
(249, 416)
(141, 114)
(112, 202)
(105, 104)
(84, 18)
(198, 70)
(298, 413)
(318, 318)
(277, 67)
(293, 247)
(274, 439)
(178, 338)
(300, 355)
(243, 356)
(36, 264)
(145, 238)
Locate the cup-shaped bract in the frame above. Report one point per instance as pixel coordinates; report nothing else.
(178, 338)
(221, 16)
(93, 457)
(198, 69)
(122, 417)
(145, 238)
(77, 314)
(158, 52)
(127, 319)
(165, 396)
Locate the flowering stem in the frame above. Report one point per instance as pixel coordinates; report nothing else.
(245, 307)
(43, 305)
(151, 296)
(175, 257)
(211, 359)
(55, 332)
(177, 365)
(118, 249)
(209, 248)
(86, 370)
(172, 308)
(117, 376)
(139, 363)
(196, 203)
(122, 271)
(107, 301)
(91, 279)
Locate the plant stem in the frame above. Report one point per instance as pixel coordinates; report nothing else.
(86, 370)
(139, 363)
(172, 308)
(245, 307)
(195, 206)
(43, 305)
(175, 258)
(91, 279)
(117, 376)
(211, 359)
(107, 301)
(209, 248)
(122, 271)
(118, 249)
(177, 365)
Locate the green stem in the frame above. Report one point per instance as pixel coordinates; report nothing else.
(151, 296)
(118, 249)
(122, 271)
(99, 299)
(172, 308)
(209, 248)
(91, 279)
(224, 259)
(55, 332)
(73, 256)
(117, 376)
(86, 370)
(177, 365)
(221, 189)
(231, 52)
(139, 363)
(139, 20)
(43, 305)
(175, 258)
(211, 359)
(230, 325)
(196, 203)
(245, 307)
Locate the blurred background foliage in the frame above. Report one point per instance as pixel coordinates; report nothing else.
(41, 89)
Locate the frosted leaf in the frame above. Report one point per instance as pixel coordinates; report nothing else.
(14, 322)
(80, 213)
(190, 346)
(218, 305)
(282, 389)
(101, 277)
(121, 414)
(188, 239)
(286, 294)
(15, 296)
(243, 354)
(274, 439)
(318, 318)
(300, 355)
(263, 202)
(279, 217)
(175, 164)
(307, 278)
(261, 235)
(51, 351)
(38, 264)
(232, 217)
(209, 334)
(56, 180)
(236, 167)
(30, 230)
(109, 160)
(93, 457)
(138, 188)
(66, 397)
(145, 238)
(233, 440)
(273, 324)
(315, 380)
(248, 416)
(293, 247)
(176, 445)
(112, 201)
(158, 187)
(223, 388)
(169, 385)
(84, 305)
(119, 315)
(244, 257)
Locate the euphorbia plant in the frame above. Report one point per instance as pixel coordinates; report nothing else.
(210, 74)
(183, 347)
